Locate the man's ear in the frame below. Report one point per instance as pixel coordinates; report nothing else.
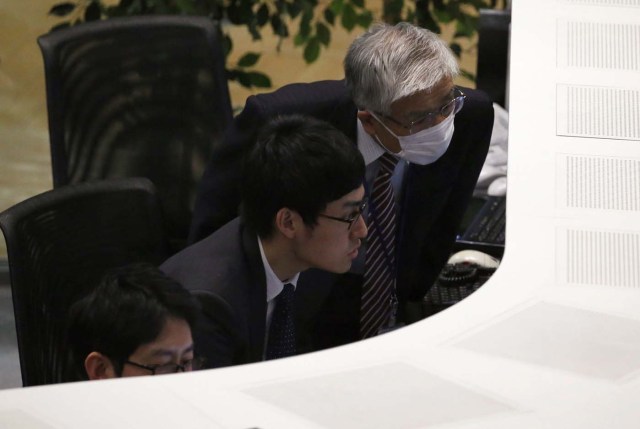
(288, 222)
(99, 367)
(367, 121)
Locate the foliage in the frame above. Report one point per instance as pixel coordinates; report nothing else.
(435, 14)
(310, 20)
(312, 31)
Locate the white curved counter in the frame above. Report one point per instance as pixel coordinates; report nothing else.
(552, 340)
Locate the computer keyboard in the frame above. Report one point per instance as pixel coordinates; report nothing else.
(487, 229)
(488, 224)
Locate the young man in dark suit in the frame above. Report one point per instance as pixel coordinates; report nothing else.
(397, 98)
(137, 321)
(302, 196)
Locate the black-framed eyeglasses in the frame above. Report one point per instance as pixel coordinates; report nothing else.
(429, 120)
(170, 368)
(351, 219)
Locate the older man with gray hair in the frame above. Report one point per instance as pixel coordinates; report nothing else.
(424, 141)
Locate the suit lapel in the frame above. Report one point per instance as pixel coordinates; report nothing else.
(257, 293)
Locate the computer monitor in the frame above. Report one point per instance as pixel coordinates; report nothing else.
(493, 53)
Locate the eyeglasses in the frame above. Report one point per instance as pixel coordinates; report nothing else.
(429, 120)
(351, 219)
(170, 368)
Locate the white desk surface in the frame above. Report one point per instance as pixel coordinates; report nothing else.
(552, 340)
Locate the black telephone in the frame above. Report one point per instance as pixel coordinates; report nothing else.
(467, 267)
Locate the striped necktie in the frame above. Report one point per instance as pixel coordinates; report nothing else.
(379, 274)
(282, 332)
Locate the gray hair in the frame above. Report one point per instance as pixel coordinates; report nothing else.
(388, 63)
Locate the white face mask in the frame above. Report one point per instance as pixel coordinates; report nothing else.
(426, 146)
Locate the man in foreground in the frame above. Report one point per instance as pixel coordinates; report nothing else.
(302, 199)
(137, 321)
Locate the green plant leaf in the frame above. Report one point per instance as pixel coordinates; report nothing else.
(262, 15)
(311, 3)
(442, 16)
(279, 27)
(227, 44)
(365, 19)
(304, 30)
(429, 23)
(246, 12)
(468, 75)
(259, 80)
(463, 31)
(240, 13)
(411, 16)
(62, 9)
(348, 17)
(392, 11)
(249, 59)
(134, 8)
(113, 11)
(456, 48)
(234, 14)
(92, 12)
(60, 26)
(312, 18)
(311, 51)
(336, 6)
(249, 79)
(323, 33)
(329, 16)
(294, 8)
(253, 30)
(241, 77)
(230, 74)
(185, 6)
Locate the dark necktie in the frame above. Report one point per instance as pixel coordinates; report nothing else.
(379, 276)
(282, 333)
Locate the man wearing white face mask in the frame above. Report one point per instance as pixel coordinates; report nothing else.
(424, 141)
(426, 146)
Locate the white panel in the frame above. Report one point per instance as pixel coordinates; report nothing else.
(622, 3)
(585, 111)
(565, 338)
(601, 258)
(599, 45)
(600, 183)
(379, 397)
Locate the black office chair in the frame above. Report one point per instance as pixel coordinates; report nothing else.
(141, 96)
(58, 244)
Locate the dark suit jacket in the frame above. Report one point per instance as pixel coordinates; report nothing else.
(225, 272)
(432, 202)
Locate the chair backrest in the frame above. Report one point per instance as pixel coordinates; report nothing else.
(143, 96)
(58, 244)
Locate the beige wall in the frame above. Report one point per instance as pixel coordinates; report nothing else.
(24, 157)
(24, 148)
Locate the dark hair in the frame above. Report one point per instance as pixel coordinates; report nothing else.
(301, 163)
(128, 308)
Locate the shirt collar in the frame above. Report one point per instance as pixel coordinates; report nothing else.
(274, 284)
(368, 147)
